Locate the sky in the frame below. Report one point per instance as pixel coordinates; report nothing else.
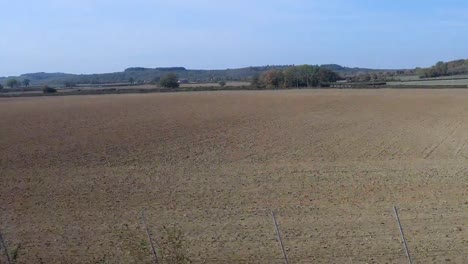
(97, 36)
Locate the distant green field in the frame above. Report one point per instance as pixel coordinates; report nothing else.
(407, 78)
(453, 77)
(433, 82)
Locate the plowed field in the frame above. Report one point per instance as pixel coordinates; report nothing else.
(77, 171)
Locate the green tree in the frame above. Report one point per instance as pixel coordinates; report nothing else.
(131, 81)
(222, 83)
(169, 81)
(441, 68)
(26, 82)
(308, 75)
(12, 83)
(291, 77)
(326, 76)
(1, 86)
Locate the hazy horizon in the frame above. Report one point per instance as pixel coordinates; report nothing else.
(83, 37)
(194, 69)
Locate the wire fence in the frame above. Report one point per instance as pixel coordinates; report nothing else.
(282, 241)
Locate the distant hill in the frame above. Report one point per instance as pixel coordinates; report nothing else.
(153, 74)
(143, 74)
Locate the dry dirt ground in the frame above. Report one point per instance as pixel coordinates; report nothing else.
(76, 172)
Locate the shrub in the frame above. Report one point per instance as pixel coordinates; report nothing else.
(26, 82)
(173, 246)
(222, 83)
(46, 89)
(169, 81)
(12, 83)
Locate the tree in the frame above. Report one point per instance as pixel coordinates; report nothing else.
(273, 78)
(256, 81)
(1, 86)
(291, 77)
(326, 76)
(366, 77)
(26, 82)
(46, 89)
(296, 76)
(441, 68)
(308, 75)
(222, 83)
(131, 81)
(169, 81)
(12, 83)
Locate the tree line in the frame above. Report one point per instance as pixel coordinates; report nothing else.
(295, 76)
(383, 76)
(440, 69)
(13, 83)
(444, 69)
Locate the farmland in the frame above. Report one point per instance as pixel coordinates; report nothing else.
(433, 82)
(78, 171)
(119, 88)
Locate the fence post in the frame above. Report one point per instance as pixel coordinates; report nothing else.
(155, 256)
(402, 235)
(279, 238)
(3, 244)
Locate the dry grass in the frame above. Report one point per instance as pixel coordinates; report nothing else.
(77, 171)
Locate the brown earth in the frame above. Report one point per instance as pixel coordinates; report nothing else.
(77, 171)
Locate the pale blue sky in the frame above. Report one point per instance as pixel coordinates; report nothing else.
(93, 36)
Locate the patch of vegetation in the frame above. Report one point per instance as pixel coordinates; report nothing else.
(12, 83)
(48, 90)
(15, 253)
(173, 246)
(444, 69)
(296, 76)
(169, 81)
(26, 82)
(150, 74)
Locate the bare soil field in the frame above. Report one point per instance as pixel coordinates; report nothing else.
(76, 173)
